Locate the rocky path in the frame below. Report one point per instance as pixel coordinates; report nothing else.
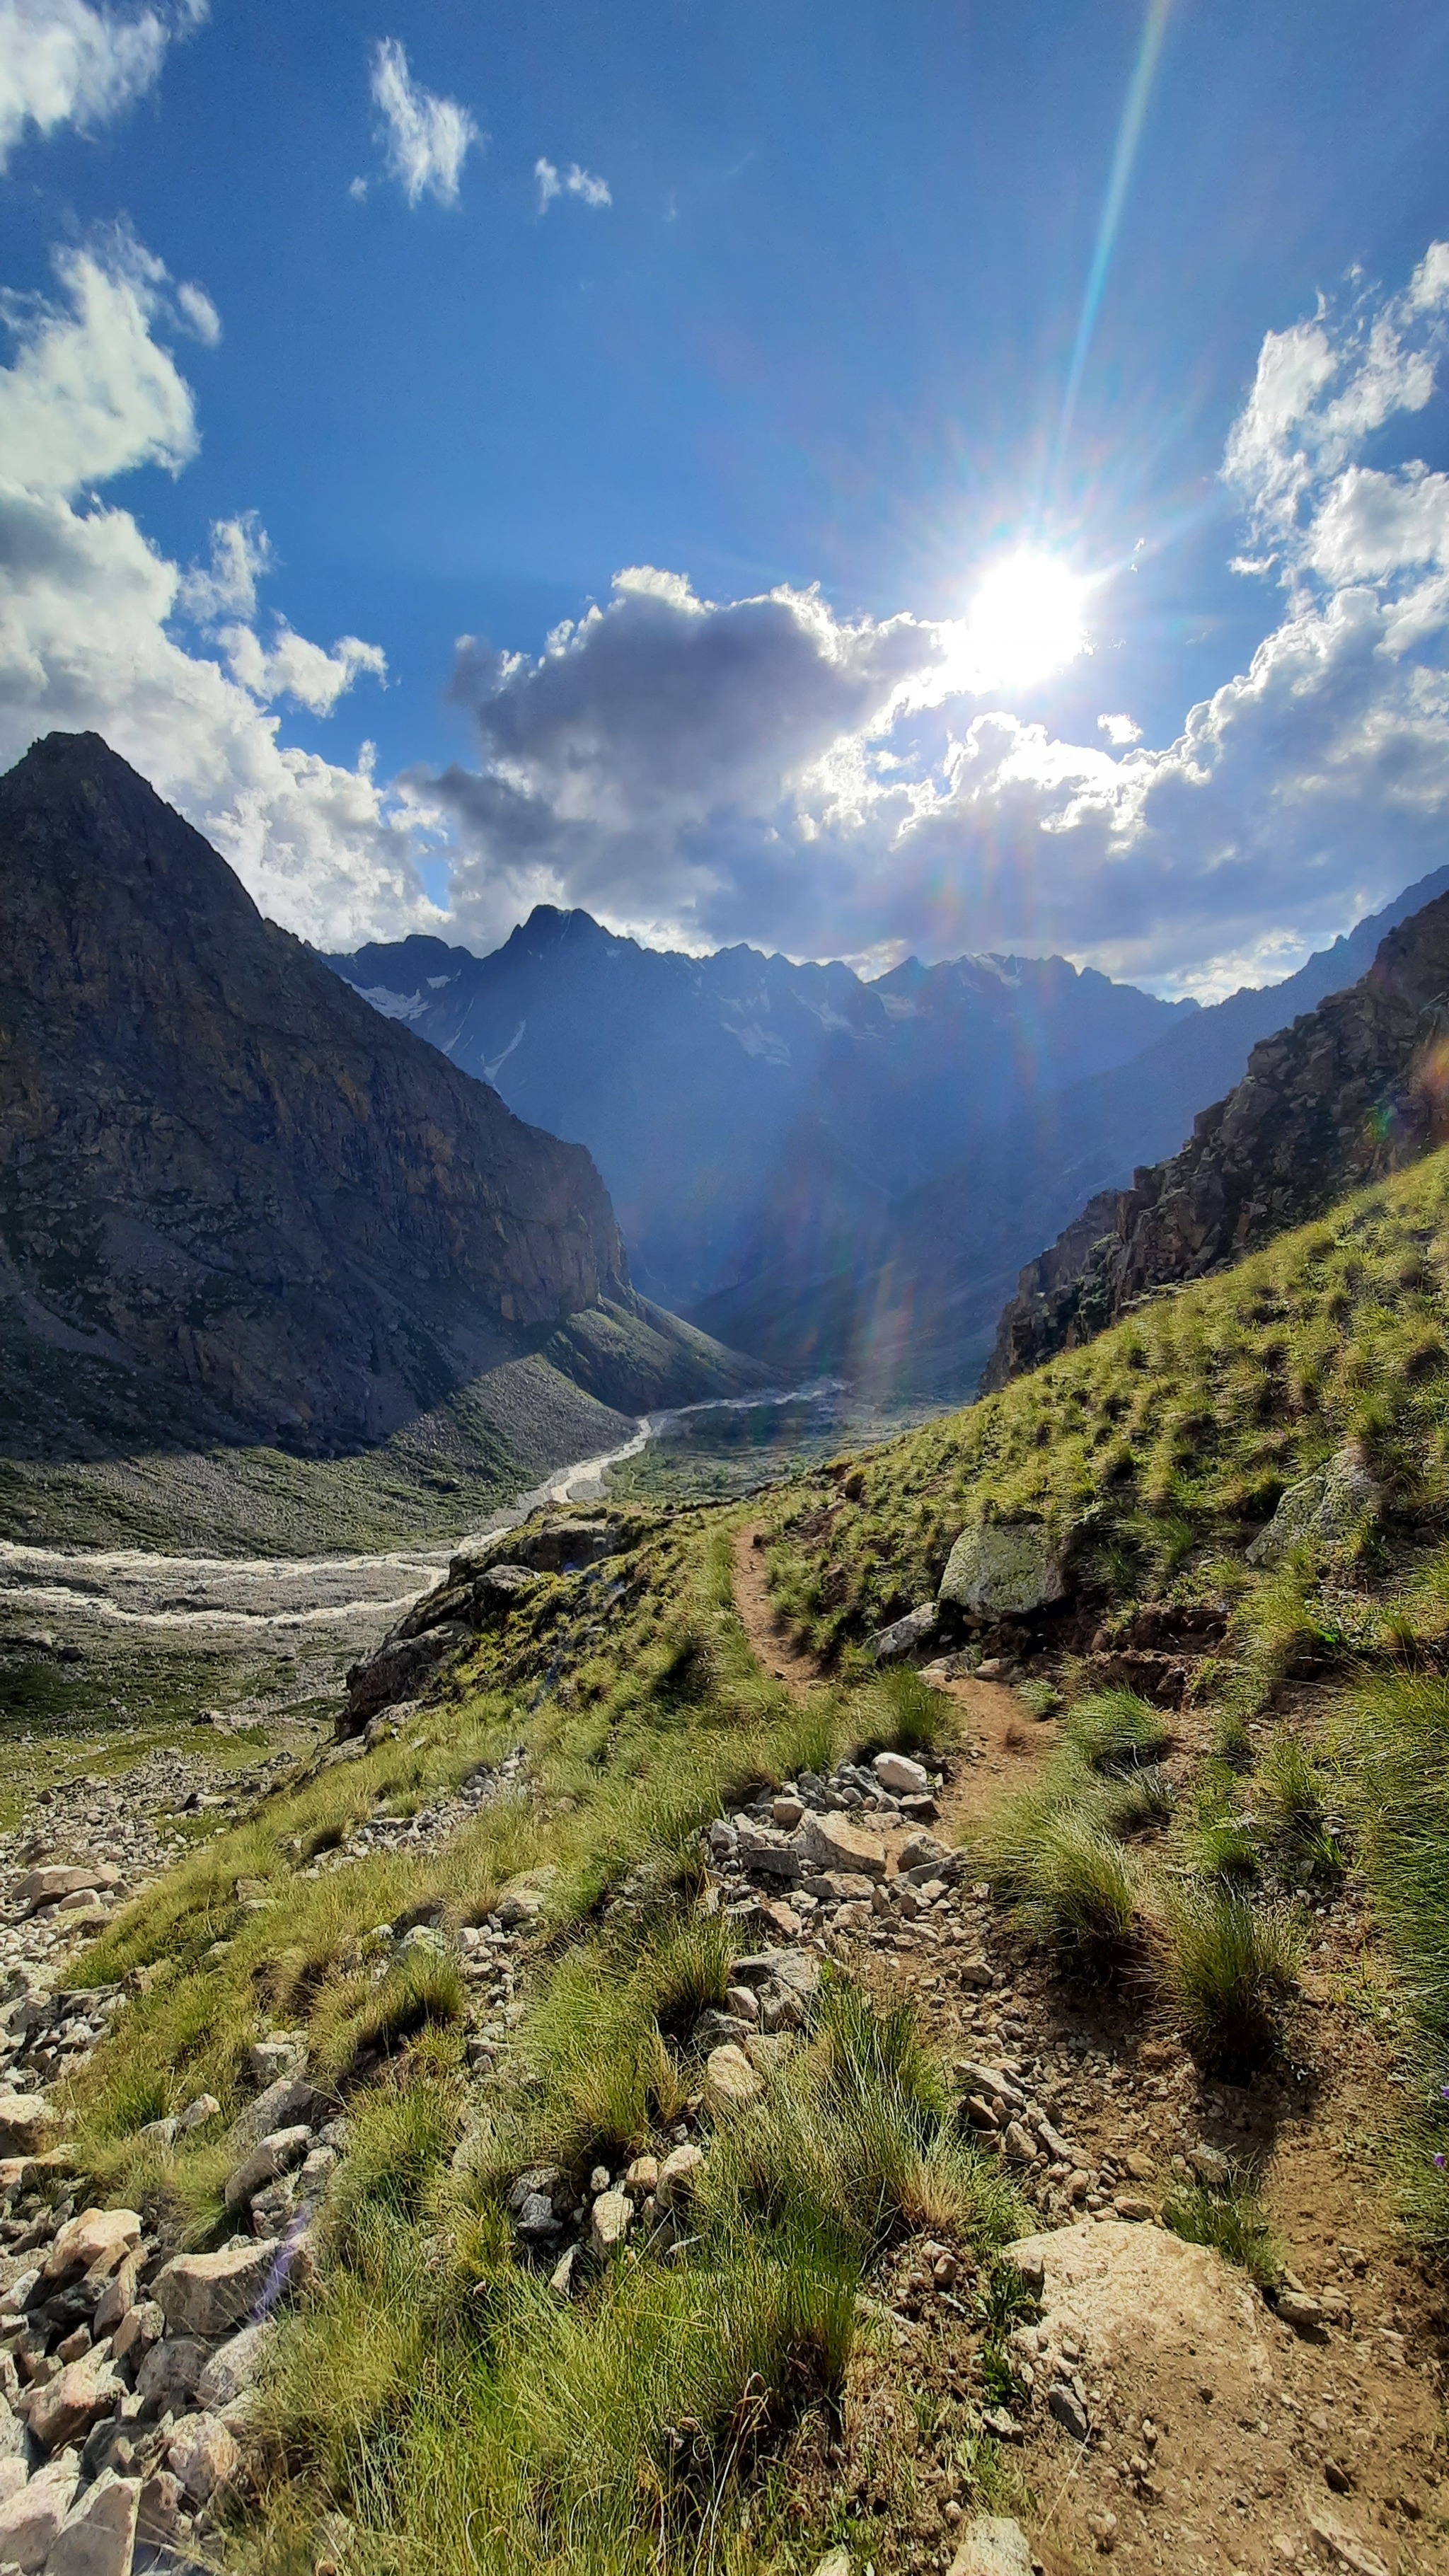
(1165, 2414)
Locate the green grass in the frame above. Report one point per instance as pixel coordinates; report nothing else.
(1115, 1731)
(1233, 2220)
(1228, 1968)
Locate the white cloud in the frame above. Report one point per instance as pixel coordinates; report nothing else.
(198, 314)
(763, 769)
(98, 630)
(574, 183)
(426, 139)
(65, 63)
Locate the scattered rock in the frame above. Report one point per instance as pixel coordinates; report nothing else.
(993, 2546)
(97, 2236)
(1328, 1505)
(32, 2521)
(610, 2222)
(204, 2455)
(274, 2155)
(26, 2122)
(678, 2176)
(1065, 2408)
(832, 1842)
(64, 2410)
(99, 2532)
(902, 1637)
(235, 2368)
(897, 1772)
(730, 2082)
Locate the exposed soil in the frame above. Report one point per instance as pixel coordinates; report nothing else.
(774, 1648)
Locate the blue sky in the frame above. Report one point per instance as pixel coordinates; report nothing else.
(818, 331)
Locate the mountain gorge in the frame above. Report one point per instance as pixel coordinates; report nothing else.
(828, 1173)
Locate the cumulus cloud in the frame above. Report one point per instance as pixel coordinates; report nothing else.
(65, 63)
(764, 769)
(574, 183)
(99, 630)
(426, 139)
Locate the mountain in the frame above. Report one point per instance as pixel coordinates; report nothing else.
(1350, 1092)
(235, 1203)
(745, 1111)
(917, 1301)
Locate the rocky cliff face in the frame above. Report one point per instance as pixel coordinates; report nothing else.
(1351, 1091)
(219, 1165)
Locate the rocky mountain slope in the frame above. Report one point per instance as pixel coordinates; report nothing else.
(1351, 1091)
(743, 1110)
(235, 1203)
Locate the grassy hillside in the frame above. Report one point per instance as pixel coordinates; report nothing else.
(683, 2411)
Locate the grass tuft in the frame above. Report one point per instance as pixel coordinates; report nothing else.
(1229, 1966)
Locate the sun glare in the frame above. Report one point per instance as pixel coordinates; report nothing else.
(1026, 620)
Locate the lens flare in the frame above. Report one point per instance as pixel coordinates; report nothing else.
(1026, 621)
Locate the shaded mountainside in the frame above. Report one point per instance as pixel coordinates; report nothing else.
(917, 1301)
(1350, 1092)
(743, 1110)
(235, 1203)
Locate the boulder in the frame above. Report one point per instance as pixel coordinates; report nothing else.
(764, 1852)
(167, 2379)
(117, 2298)
(210, 2295)
(26, 2123)
(903, 1777)
(678, 2177)
(722, 2030)
(903, 1636)
(288, 2104)
(268, 2059)
(32, 2520)
(994, 2545)
(197, 2114)
(1327, 1507)
(834, 1842)
(47, 1885)
(730, 2082)
(12, 2432)
(204, 2455)
(273, 2155)
(1004, 1571)
(161, 2503)
(140, 2327)
(64, 2410)
(612, 2218)
(98, 2236)
(99, 2532)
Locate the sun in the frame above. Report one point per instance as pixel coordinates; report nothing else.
(1026, 621)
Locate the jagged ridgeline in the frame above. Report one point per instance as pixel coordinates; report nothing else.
(558, 2244)
(239, 1211)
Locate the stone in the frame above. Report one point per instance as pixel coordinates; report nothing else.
(730, 2082)
(12, 2431)
(561, 2278)
(398, 1670)
(160, 2507)
(518, 1906)
(902, 1637)
(267, 2059)
(168, 2377)
(678, 2176)
(993, 2545)
(289, 2103)
(26, 2123)
(786, 1812)
(764, 1852)
(1343, 2548)
(1003, 1571)
(1018, 2143)
(742, 2003)
(1065, 2408)
(610, 2221)
(142, 2326)
(196, 2114)
(64, 2410)
(1328, 1506)
(642, 2177)
(274, 2155)
(97, 2236)
(767, 2050)
(32, 2520)
(235, 2368)
(13, 2475)
(835, 2563)
(99, 2532)
(722, 2030)
(212, 2294)
(204, 2455)
(1131, 2206)
(903, 1777)
(1302, 2313)
(834, 1842)
(47, 1885)
(161, 2134)
(1211, 2167)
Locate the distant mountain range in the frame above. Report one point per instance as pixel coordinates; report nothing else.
(236, 1205)
(1349, 1092)
(825, 1172)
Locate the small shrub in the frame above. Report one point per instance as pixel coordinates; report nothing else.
(1115, 1731)
(1229, 1966)
(1234, 2220)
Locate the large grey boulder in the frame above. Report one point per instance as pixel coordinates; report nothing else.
(1003, 1571)
(902, 1637)
(289, 2103)
(210, 2295)
(398, 1670)
(1328, 1507)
